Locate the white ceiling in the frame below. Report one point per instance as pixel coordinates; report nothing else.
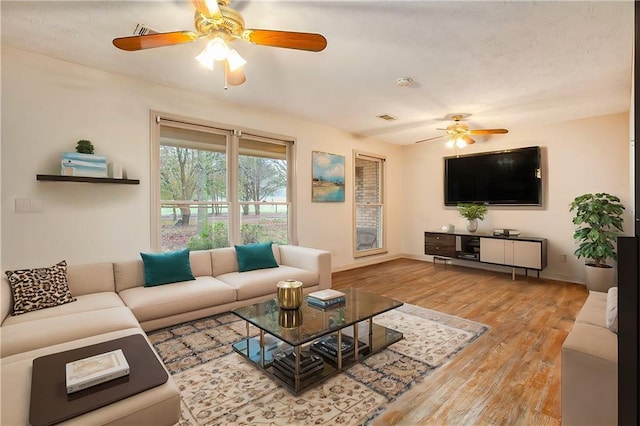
(506, 63)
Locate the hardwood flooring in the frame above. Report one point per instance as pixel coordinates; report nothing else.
(511, 374)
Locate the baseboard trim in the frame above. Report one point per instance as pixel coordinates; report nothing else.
(373, 260)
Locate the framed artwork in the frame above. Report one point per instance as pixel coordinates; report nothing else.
(328, 177)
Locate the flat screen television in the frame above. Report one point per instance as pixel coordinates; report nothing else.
(510, 177)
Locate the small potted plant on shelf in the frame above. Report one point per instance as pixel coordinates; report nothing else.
(84, 147)
(472, 212)
(598, 220)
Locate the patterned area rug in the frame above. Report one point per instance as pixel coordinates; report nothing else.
(218, 387)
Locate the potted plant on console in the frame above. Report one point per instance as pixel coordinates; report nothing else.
(472, 212)
(598, 218)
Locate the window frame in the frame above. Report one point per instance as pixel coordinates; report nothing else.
(381, 203)
(233, 135)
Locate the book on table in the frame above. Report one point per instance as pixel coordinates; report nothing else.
(324, 305)
(91, 371)
(326, 295)
(326, 298)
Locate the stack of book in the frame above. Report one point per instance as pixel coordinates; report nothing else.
(284, 365)
(327, 347)
(325, 299)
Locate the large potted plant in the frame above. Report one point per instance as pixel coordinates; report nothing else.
(598, 220)
(472, 212)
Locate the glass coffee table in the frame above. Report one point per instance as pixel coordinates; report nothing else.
(299, 348)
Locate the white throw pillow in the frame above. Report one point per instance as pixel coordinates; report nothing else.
(612, 309)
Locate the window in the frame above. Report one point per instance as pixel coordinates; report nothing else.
(215, 187)
(368, 205)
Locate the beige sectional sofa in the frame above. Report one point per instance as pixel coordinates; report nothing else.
(113, 302)
(590, 367)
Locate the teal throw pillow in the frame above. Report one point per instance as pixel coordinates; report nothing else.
(165, 268)
(255, 256)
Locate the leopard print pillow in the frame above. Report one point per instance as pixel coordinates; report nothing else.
(39, 288)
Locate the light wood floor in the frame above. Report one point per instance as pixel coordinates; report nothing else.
(511, 374)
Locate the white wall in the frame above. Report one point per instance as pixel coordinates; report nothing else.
(580, 156)
(48, 105)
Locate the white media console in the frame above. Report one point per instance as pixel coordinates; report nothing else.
(528, 253)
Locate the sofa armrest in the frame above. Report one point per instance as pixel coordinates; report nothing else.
(590, 376)
(310, 259)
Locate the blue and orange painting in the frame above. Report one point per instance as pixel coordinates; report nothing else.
(328, 177)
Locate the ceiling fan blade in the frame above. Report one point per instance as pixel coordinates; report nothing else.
(468, 140)
(487, 131)
(208, 8)
(149, 41)
(234, 78)
(431, 139)
(287, 39)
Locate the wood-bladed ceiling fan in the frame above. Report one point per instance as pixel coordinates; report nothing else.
(459, 133)
(215, 20)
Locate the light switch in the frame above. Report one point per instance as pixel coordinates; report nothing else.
(22, 205)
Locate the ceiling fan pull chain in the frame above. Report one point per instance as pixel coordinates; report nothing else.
(226, 86)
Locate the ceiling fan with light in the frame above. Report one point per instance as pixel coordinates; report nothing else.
(459, 134)
(221, 24)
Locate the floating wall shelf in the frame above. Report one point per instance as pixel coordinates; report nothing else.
(59, 178)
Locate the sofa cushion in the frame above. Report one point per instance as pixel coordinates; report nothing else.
(594, 310)
(156, 406)
(84, 303)
(130, 273)
(255, 256)
(90, 278)
(39, 288)
(31, 335)
(612, 309)
(148, 303)
(166, 268)
(264, 281)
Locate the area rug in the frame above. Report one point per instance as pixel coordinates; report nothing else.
(218, 387)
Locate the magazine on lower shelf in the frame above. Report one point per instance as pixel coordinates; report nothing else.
(286, 375)
(287, 361)
(328, 347)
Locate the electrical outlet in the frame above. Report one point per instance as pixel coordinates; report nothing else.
(36, 206)
(563, 258)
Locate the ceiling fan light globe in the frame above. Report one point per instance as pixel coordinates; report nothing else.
(235, 60)
(205, 59)
(450, 143)
(461, 143)
(217, 49)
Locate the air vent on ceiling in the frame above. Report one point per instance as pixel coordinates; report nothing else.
(386, 117)
(142, 30)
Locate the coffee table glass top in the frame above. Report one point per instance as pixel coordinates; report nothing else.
(297, 327)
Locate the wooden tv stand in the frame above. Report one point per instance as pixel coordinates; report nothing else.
(528, 253)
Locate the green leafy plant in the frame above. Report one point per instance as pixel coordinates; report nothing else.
(210, 237)
(84, 147)
(472, 211)
(599, 221)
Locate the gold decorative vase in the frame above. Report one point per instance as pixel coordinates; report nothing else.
(289, 294)
(290, 318)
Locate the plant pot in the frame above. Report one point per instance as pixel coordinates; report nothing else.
(599, 278)
(472, 225)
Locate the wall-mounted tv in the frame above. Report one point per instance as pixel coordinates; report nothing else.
(509, 177)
